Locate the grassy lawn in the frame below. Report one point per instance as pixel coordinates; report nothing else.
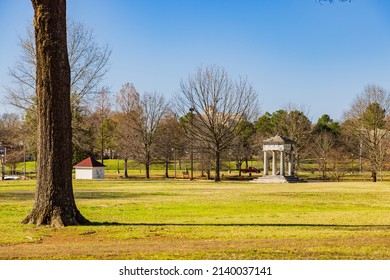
(180, 219)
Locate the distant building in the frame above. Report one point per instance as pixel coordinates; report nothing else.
(89, 169)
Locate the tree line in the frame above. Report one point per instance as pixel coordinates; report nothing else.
(213, 118)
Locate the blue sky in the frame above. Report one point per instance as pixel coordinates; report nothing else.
(316, 56)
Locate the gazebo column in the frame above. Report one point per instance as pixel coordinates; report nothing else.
(290, 164)
(282, 171)
(265, 163)
(273, 163)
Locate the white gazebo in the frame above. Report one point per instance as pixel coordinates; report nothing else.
(282, 148)
(89, 169)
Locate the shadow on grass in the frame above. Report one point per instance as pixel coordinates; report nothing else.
(17, 196)
(236, 225)
(88, 195)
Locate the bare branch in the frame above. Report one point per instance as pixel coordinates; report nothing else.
(218, 106)
(88, 62)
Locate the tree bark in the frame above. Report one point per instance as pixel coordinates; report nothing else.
(239, 164)
(166, 168)
(217, 166)
(125, 174)
(148, 162)
(147, 170)
(54, 200)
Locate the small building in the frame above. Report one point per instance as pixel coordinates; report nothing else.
(89, 169)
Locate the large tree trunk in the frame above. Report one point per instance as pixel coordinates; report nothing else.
(54, 200)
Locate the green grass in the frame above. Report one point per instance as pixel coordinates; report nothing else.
(307, 171)
(179, 219)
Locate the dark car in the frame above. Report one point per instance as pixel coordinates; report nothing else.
(250, 169)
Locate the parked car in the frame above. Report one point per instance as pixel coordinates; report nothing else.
(250, 169)
(11, 177)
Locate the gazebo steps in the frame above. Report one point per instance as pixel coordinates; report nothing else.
(294, 179)
(278, 179)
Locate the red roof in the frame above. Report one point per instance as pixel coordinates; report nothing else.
(89, 162)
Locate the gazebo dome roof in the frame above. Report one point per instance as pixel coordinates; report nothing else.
(278, 140)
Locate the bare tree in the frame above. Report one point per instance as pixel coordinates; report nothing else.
(367, 116)
(141, 116)
(54, 201)
(88, 65)
(321, 148)
(218, 105)
(170, 140)
(12, 138)
(206, 158)
(152, 108)
(10, 128)
(326, 142)
(126, 100)
(102, 120)
(242, 147)
(337, 159)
